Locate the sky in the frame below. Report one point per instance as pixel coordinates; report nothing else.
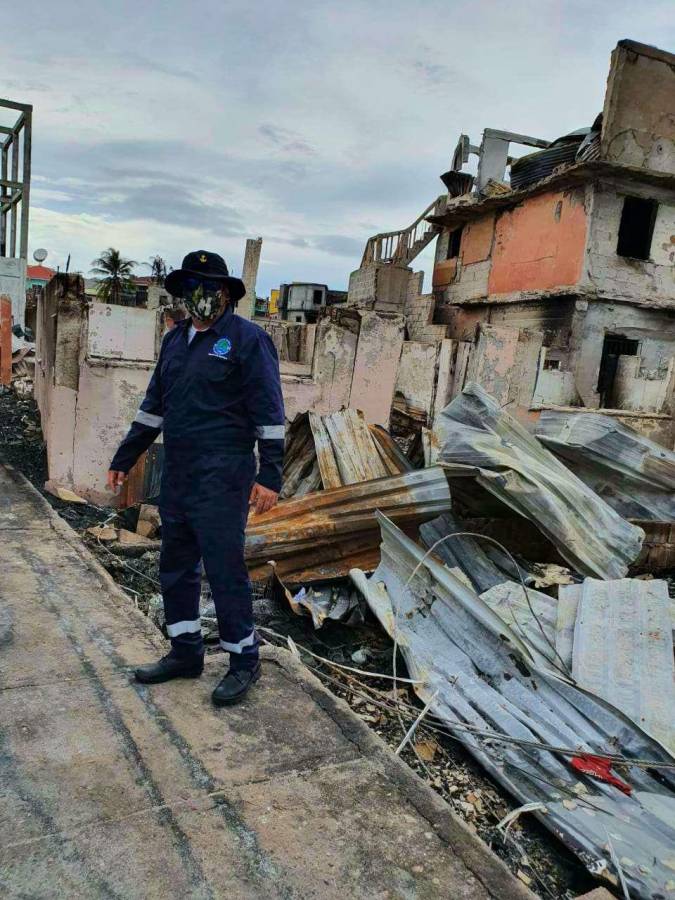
(164, 127)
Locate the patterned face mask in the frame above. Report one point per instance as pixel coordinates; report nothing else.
(202, 299)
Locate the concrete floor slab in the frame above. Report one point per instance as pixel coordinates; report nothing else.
(109, 788)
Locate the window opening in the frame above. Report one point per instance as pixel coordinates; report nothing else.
(636, 228)
(454, 242)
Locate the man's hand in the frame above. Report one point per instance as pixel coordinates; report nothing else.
(116, 480)
(262, 498)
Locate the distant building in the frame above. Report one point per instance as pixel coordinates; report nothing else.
(302, 301)
(38, 276)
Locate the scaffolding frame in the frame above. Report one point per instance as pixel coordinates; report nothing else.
(15, 154)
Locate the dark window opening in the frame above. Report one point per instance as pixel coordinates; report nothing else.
(636, 228)
(454, 242)
(317, 298)
(614, 346)
(552, 364)
(298, 318)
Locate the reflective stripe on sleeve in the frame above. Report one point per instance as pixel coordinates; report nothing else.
(271, 432)
(146, 418)
(237, 648)
(186, 627)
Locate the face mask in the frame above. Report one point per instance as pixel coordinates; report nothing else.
(202, 301)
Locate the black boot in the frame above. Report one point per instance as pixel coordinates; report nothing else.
(234, 686)
(169, 667)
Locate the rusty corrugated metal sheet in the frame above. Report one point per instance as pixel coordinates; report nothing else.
(476, 672)
(335, 450)
(327, 528)
(483, 441)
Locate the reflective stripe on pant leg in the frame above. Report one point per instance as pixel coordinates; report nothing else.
(180, 578)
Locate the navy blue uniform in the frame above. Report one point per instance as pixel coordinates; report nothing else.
(213, 398)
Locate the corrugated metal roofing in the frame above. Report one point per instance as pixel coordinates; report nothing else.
(480, 439)
(481, 675)
(623, 649)
(634, 475)
(328, 528)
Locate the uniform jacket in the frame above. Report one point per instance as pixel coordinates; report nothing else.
(220, 393)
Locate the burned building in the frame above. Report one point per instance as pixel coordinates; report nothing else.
(553, 283)
(563, 279)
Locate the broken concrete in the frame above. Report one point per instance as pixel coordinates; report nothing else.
(276, 798)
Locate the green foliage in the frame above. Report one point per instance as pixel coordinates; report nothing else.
(113, 273)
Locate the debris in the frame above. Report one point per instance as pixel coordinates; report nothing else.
(622, 648)
(336, 450)
(600, 893)
(340, 602)
(516, 718)
(523, 877)
(103, 532)
(426, 749)
(634, 475)
(549, 575)
(599, 767)
(149, 521)
(325, 534)
(473, 556)
(64, 493)
(533, 616)
(481, 440)
(131, 537)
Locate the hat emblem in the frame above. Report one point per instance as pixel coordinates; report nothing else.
(202, 258)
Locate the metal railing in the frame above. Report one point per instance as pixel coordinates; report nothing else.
(404, 245)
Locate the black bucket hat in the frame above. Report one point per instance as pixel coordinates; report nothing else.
(203, 264)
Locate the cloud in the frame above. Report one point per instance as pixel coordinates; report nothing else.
(312, 125)
(339, 244)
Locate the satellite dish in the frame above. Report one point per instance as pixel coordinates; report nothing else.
(40, 255)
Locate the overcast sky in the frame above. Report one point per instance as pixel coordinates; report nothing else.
(161, 127)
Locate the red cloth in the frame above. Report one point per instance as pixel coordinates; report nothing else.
(599, 767)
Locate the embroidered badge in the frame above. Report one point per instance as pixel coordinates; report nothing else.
(202, 258)
(221, 348)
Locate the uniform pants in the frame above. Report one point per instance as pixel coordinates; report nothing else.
(204, 507)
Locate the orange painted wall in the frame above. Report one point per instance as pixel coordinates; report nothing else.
(444, 273)
(477, 240)
(540, 244)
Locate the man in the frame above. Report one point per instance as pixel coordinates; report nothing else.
(215, 391)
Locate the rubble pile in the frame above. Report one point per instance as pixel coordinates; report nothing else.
(498, 642)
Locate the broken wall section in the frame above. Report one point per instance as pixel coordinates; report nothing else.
(93, 363)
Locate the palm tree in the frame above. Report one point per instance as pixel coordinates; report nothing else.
(158, 268)
(114, 275)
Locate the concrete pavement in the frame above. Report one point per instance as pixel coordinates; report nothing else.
(109, 789)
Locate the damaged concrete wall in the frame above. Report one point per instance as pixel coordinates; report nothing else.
(539, 244)
(417, 374)
(376, 365)
(108, 398)
(13, 285)
(379, 286)
(610, 275)
(122, 332)
(88, 381)
(637, 387)
(654, 330)
(640, 89)
(505, 362)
